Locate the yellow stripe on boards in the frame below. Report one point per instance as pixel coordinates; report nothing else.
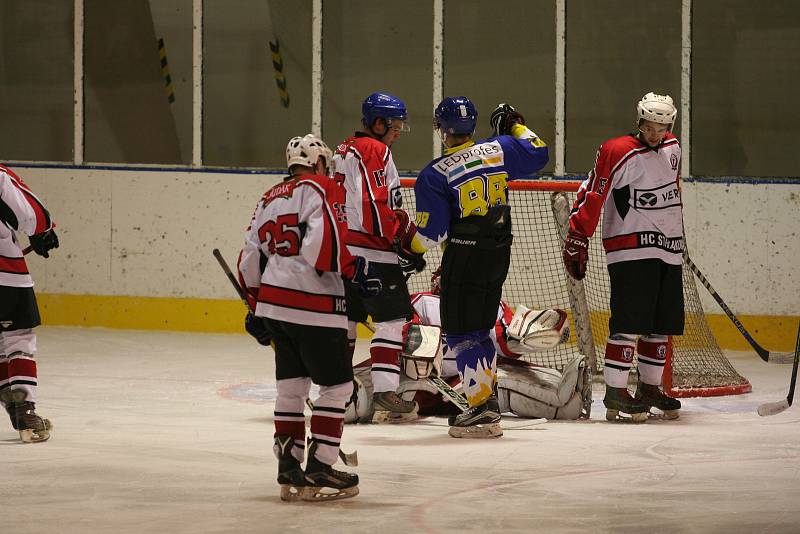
(774, 333)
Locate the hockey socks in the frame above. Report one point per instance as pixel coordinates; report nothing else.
(477, 364)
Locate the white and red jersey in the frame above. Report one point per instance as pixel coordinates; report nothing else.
(637, 189)
(294, 254)
(20, 211)
(372, 183)
(426, 312)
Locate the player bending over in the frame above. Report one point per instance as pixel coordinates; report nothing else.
(523, 389)
(635, 184)
(292, 265)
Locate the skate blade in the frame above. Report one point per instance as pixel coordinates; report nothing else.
(491, 430)
(30, 435)
(635, 418)
(291, 493)
(324, 494)
(383, 417)
(666, 415)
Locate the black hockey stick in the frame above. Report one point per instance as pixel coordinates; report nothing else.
(229, 274)
(771, 408)
(764, 354)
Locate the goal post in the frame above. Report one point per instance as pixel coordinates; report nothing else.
(696, 366)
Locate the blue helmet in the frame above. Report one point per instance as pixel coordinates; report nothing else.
(382, 105)
(456, 115)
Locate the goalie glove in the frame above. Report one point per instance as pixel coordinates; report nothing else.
(537, 331)
(410, 262)
(576, 255)
(503, 118)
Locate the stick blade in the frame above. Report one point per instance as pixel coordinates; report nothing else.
(781, 357)
(772, 408)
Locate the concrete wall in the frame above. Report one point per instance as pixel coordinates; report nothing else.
(150, 233)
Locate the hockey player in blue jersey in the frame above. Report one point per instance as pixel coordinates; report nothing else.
(462, 204)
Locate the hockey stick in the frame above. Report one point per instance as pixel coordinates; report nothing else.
(764, 354)
(233, 280)
(771, 408)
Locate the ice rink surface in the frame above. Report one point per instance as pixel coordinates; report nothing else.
(172, 432)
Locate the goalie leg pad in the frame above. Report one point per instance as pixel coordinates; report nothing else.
(360, 410)
(422, 351)
(542, 392)
(537, 331)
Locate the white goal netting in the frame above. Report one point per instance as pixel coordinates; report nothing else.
(537, 279)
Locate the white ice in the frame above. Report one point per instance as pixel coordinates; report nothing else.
(172, 432)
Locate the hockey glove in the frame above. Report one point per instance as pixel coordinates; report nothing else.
(366, 279)
(44, 242)
(256, 328)
(503, 118)
(575, 255)
(410, 262)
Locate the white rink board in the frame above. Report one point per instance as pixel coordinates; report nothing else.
(150, 233)
(172, 432)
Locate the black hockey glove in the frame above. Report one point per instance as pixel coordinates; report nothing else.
(576, 255)
(365, 279)
(410, 261)
(503, 118)
(255, 327)
(44, 242)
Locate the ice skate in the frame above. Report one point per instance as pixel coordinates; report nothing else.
(619, 400)
(324, 483)
(290, 475)
(653, 397)
(390, 408)
(32, 428)
(482, 421)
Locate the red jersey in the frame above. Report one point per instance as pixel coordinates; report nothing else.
(294, 254)
(20, 211)
(637, 190)
(372, 183)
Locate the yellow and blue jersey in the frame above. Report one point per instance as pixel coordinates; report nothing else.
(470, 178)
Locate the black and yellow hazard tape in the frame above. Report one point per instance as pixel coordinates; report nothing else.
(280, 78)
(162, 54)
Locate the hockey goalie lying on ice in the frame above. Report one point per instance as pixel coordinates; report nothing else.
(523, 389)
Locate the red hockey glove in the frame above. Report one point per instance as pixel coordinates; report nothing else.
(410, 261)
(576, 255)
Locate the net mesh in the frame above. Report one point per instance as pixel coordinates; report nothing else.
(537, 280)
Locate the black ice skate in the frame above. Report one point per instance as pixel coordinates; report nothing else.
(388, 407)
(324, 483)
(653, 397)
(619, 400)
(482, 421)
(32, 428)
(290, 474)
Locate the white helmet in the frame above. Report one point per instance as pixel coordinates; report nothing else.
(657, 108)
(306, 151)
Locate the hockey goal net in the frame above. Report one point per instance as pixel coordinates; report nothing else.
(696, 366)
